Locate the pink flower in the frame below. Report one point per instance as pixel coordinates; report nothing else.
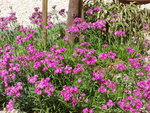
(86, 100)
(138, 54)
(68, 92)
(54, 6)
(111, 55)
(14, 90)
(90, 61)
(32, 79)
(10, 105)
(100, 24)
(113, 89)
(62, 11)
(145, 26)
(126, 78)
(44, 85)
(130, 97)
(115, 15)
(137, 103)
(110, 103)
(89, 12)
(79, 80)
(91, 111)
(49, 26)
(85, 43)
(74, 101)
(77, 20)
(148, 106)
(54, 47)
(104, 106)
(121, 66)
(130, 50)
(97, 76)
(102, 89)
(78, 69)
(97, 9)
(119, 33)
(67, 69)
(85, 110)
(141, 73)
(105, 45)
(127, 91)
(103, 56)
(36, 8)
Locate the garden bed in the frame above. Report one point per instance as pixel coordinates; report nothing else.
(105, 70)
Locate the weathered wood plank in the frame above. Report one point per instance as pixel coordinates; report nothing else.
(44, 23)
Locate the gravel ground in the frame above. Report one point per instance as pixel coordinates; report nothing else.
(24, 8)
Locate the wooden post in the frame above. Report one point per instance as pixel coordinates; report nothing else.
(75, 10)
(81, 9)
(44, 23)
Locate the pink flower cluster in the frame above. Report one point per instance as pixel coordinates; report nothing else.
(49, 26)
(42, 85)
(110, 103)
(68, 92)
(25, 30)
(14, 90)
(20, 40)
(120, 66)
(32, 79)
(36, 17)
(104, 56)
(100, 24)
(133, 105)
(10, 105)
(143, 89)
(92, 11)
(8, 67)
(130, 50)
(45, 60)
(133, 102)
(85, 43)
(86, 55)
(77, 20)
(145, 26)
(108, 84)
(82, 26)
(135, 62)
(119, 33)
(6, 21)
(71, 93)
(76, 28)
(62, 12)
(78, 68)
(98, 75)
(87, 110)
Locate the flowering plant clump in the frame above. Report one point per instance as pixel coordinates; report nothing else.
(102, 72)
